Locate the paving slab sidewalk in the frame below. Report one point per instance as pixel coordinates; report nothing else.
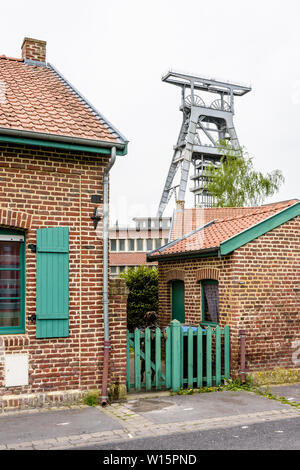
(291, 392)
(45, 425)
(140, 416)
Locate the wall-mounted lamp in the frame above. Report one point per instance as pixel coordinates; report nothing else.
(95, 218)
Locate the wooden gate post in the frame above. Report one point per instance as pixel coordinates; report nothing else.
(243, 355)
(175, 355)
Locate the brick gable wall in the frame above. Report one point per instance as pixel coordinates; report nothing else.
(259, 291)
(42, 188)
(269, 297)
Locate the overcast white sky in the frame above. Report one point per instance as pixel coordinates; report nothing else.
(116, 51)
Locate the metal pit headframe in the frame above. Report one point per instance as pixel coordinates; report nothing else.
(205, 123)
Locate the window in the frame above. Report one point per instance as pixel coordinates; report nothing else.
(113, 270)
(157, 243)
(113, 245)
(149, 244)
(121, 245)
(12, 282)
(140, 245)
(166, 241)
(130, 245)
(122, 269)
(210, 301)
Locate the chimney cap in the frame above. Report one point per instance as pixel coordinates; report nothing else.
(40, 41)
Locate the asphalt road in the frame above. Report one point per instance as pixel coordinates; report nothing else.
(273, 435)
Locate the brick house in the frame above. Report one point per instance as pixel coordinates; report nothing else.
(56, 150)
(238, 267)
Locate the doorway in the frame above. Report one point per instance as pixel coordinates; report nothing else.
(178, 312)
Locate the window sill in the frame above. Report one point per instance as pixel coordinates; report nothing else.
(208, 323)
(12, 331)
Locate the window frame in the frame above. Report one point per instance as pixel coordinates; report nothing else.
(131, 241)
(122, 246)
(203, 283)
(7, 330)
(141, 240)
(158, 243)
(147, 243)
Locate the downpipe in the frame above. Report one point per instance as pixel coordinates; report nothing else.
(104, 395)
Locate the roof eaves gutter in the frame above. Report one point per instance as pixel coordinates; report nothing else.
(22, 137)
(214, 251)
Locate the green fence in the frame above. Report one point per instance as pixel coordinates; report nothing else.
(177, 357)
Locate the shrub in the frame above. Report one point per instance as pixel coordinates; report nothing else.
(143, 294)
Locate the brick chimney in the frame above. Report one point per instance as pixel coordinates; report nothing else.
(180, 205)
(34, 49)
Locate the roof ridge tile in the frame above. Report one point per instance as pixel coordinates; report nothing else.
(3, 56)
(258, 210)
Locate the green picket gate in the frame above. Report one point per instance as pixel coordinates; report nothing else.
(177, 357)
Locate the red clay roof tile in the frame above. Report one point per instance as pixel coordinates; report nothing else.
(37, 99)
(222, 229)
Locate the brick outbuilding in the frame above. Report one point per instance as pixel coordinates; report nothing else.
(55, 153)
(238, 267)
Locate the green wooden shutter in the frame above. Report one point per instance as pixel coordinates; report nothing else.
(52, 282)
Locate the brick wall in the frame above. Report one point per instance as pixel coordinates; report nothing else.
(191, 272)
(259, 291)
(42, 188)
(118, 329)
(268, 269)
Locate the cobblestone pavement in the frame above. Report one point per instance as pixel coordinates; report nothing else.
(134, 425)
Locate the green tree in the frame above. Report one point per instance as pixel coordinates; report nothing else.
(235, 183)
(143, 294)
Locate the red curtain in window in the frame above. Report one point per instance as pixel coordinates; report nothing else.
(9, 283)
(211, 293)
(9, 255)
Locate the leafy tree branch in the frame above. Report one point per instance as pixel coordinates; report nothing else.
(235, 183)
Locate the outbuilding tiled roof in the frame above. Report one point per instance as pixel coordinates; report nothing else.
(213, 233)
(36, 98)
(187, 220)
